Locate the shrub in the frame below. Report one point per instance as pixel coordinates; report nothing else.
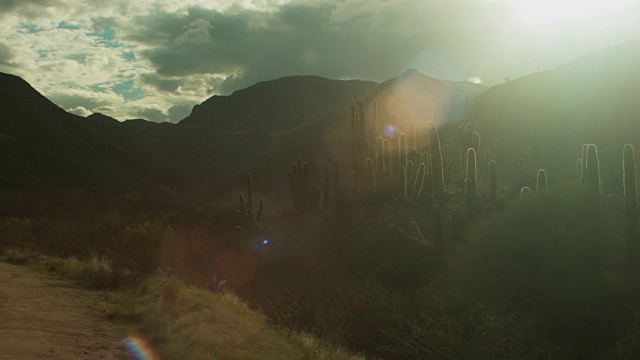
(552, 257)
(143, 244)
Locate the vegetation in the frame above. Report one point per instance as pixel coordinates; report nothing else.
(425, 254)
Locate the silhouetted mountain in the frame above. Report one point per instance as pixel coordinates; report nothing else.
(260, 129)
(277, 104)
(43, 146)
(593, 99)
(418, 98)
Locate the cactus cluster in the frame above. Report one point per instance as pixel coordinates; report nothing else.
(391, 166)
(473, 199)
(308, 197)
(250, 217)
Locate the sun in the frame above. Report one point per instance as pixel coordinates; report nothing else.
(544, 11)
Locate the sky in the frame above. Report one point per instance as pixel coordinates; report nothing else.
(155, 59)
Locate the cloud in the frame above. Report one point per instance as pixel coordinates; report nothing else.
(156, 58)
(5, 54)
(152, 114)
(30, 8)
(87, 99)
(178, 112)
(347, 39)
(79, 110)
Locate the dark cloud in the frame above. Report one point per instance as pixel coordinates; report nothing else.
(5, 54)
(353, 38)
(152, 114)
(26, 8)
(179, 112)
(162, 84)
(10, 5)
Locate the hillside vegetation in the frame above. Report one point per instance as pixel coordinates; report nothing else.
(503, 228)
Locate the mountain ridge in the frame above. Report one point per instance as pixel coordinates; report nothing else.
(264, 127)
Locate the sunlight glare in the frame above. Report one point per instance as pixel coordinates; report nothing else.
(544, 11)
(475, 80)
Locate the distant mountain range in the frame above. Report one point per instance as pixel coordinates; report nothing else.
(266, 126)
(46, 148)
(594, 99)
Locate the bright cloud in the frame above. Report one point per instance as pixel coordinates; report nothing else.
(156, 59)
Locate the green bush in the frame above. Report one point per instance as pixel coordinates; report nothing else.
(555, 258)
(143, 245)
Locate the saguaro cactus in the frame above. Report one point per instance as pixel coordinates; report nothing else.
(248, 214)
(541, 180)
(630, 201)
(593, 169)
(471, 182)
(475, 141)
(583, 165)
(437, 173)
(305, 198)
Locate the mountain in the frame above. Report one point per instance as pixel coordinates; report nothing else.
(278, 104)
(43, 146)
(264, 127)
(418, 98)
(260, 129)
(594, 99)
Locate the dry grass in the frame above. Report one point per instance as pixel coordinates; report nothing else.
(183, 322)
(193, 323)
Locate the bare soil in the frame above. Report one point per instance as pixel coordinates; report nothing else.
(46, 318)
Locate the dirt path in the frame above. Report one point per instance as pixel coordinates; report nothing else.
(44, 318)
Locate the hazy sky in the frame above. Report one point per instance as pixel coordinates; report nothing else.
(156, 59)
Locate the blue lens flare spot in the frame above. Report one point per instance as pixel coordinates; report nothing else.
(390, 130)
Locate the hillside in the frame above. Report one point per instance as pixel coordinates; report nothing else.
(44, 147)
(264, 127)
(593, 99)
(260, 129)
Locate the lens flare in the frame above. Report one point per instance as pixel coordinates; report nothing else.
(260, 246)
(390, 130)
(138, 347)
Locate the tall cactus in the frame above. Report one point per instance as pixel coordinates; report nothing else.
(593, 169)
(437, 173)
(471, 182)
(541, 180)
(485, 166)
(249, 216)
(630, 202)
(305, 198)
(583, 165)
(417, 185)
(374, 118)
(475, 141)
(402, 139)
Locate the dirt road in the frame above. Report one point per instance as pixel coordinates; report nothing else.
(45, 318)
